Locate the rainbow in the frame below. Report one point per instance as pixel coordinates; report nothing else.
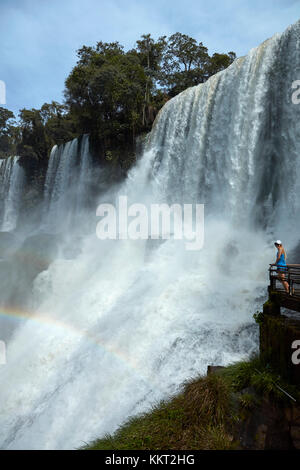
(46, 320)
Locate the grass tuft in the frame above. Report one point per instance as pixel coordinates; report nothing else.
(195, 419)
(204, 415)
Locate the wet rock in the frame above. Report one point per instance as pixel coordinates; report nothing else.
(213, 369)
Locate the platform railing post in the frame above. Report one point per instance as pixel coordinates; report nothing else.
(272, 279)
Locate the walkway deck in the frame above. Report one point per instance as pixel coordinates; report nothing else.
(290, 300)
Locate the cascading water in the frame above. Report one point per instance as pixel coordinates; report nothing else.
(11, 186)
(122, 326)
(66, 182)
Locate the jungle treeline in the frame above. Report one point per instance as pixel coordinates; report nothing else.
(113, 95)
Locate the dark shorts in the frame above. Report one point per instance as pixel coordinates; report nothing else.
(282, 269)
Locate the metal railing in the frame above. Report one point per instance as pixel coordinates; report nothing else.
(291, 275)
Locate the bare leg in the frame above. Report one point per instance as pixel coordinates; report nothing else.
(284, 282)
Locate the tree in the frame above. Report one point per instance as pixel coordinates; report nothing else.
(8, 132)
(185, 63)
(6, 117)
(220, 62)
(105, 94)
(150, 54)
(33, 137)
(59, 126)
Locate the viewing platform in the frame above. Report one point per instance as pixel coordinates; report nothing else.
(290, 300)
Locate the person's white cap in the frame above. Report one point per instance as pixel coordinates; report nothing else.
(278, 242)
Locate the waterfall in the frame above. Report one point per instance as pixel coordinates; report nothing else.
(126, 323)
(233, 142)
(69, 168)
(11, 187)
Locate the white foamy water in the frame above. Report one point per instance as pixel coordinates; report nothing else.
(66, 191)
(11, 187)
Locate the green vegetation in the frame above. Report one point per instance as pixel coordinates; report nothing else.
(258, 317)
(113, 95)
(207, 414)
(259, 376)
(194, 419)
(8, 133)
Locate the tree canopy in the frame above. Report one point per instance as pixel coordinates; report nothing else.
(8, 131)
(112, 94)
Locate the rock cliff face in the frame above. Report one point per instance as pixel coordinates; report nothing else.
(271, 427)
(267, 424)
(278, 333)
(263, 423)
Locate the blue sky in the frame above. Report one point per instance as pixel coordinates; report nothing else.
(39, 38)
